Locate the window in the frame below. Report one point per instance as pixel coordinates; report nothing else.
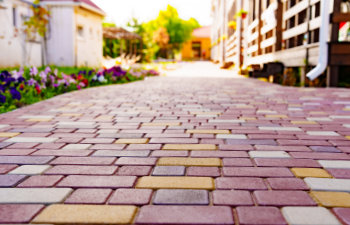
(14, 16)
(80, 31)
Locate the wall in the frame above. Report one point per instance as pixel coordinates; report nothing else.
(187, 48)
(60, 36)
(88, 38)
(15, 50)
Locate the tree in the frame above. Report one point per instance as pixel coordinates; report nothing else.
(178, 30)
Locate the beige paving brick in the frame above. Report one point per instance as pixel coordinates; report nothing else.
(208, 131)
(33, 195)
(86, 214)
(310, 172)
(309, 216)
(176, 183)
(331, 199)
(32, 139)
(189, 147)
(30, 169)
(38, 120)
(181, 161)
(160, 124)
(8, 134)
(132, 141)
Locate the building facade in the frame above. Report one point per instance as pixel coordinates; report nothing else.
(198, 48)
(285, 31)
(74, 34)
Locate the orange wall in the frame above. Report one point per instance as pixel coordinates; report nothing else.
(187, 48)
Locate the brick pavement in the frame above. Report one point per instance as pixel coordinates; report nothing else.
(172, 150)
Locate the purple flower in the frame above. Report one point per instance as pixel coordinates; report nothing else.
(15, 94)
(2, 98)
(31, 82)
(47, 70)
(33, 71)
(43, 76)
(18, 74)
(2, 88)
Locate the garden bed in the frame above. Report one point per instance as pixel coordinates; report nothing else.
(24, 86)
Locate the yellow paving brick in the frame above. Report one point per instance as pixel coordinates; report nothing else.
(303, 122)
(160, 124)
(39, 120)
(5, 134)
(132, 141)
(247, 118)
(71, 114)
(182, 161)
(86, 214)
(276, 116)
(347, 137)
(176, 182)
(189, 147)
(331, 199)
(310, 172)
(208, 131)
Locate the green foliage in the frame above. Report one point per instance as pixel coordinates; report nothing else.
(37, 23)
(179, 30)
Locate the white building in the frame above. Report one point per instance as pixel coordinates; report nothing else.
(73, 38)
(15, 50)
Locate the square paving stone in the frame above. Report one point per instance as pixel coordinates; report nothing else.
(18, 213)
(131, 197)
(332, 199)
(310, 172)
(169, 171)
(309, 216)
(33, 195)
(232, 197)
(89, 196)
(181, 197)
(86, 214)
(283, 198)
(30, 169)
(328, 184)
(155, 182)
(9, 180)
(178, 161)
(185, 215)
(84, 181)
(260, 216)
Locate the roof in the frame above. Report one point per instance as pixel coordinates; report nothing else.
(119, 33)
(87, 3)
(202, 32)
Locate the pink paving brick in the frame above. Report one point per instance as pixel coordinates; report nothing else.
(282, 148)
(50, 145)
(16, 151)
(144, 147)
(63, 152)
(287, 184)
(25, 159)
(41, 181)
(10, 180)
(319, 155)
(6, 168)
(220, 154)
(134, 170)
(98, 141)
(232, 197)
(203, 171)
(260, 216)
(173, 141)
(84, 181)
(287, 163)
(304, 142)
(89, 196)
(82, 170)
(18, 213)
(240, 183)
(69, 140)
(283, 198)
(343, 214)
(136, 161)
(257, 172)
(83, 161)
(237, 162)
(161, 153)
(131, 197)
(108, 146)
(23, 145)
(340, 173)
(236, 147)
(185, 215)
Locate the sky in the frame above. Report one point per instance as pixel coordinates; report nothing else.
(121, 11)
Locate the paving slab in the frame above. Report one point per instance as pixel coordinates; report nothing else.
(179, 149)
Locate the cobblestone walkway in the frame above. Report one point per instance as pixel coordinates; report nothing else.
(172, 150)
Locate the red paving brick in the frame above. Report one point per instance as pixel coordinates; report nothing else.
(243, 186)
